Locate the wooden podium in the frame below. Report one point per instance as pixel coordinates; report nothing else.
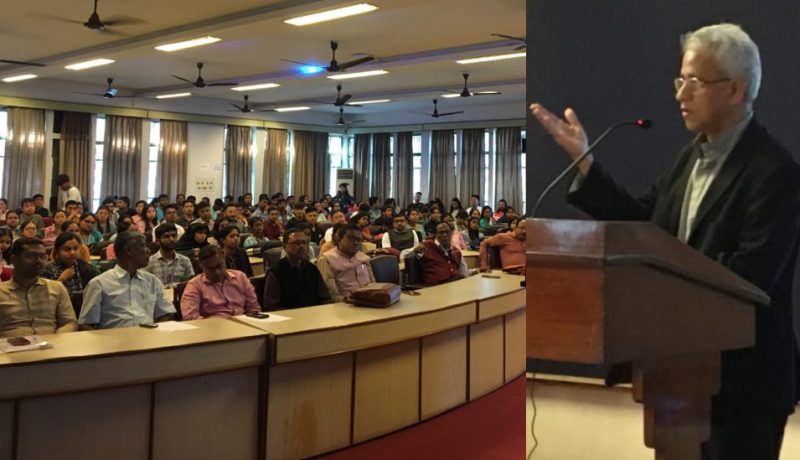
(628, 292)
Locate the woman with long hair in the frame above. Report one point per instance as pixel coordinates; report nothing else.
(53, 230)
(3, 208)
(147, 222)
(235, 257)
(455, 207)
(6, 238)
(486, 217)
(193, 240)
(68, 268)
(28, 229)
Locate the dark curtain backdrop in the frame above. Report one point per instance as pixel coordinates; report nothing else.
(76, 152)
(361, 167)
(508, 185)
(122, 157)
(404, 169)
(276, 162)
(442, 181)
(172, 158)
(238, 160)
(470, 171)
(381, 170)
(310, 170)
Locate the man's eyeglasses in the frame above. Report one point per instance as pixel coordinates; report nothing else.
(694, 83)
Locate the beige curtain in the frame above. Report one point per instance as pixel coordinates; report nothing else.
(381, 168)
(23, 170)
(238, 160)
(509, 162)
(171, 175)
(442, 181)
(470, 171)
(404, 169)
(310, 168)
(276, 162)
(122, 157)
(361, 169)
(76, 152)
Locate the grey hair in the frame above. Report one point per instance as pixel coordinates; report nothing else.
(733, 50)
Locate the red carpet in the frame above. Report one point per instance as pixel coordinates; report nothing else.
(490, 428)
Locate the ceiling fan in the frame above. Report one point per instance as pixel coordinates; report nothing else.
(95, 23)
(200, 83)
(11, 61)
(467, 93)
(523, 41)
(341, 122)
(436, 113)
(341, 99)
(110, 92)
(245, 108)
(334, 65)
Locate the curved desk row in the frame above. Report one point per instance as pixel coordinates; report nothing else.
(326, 378)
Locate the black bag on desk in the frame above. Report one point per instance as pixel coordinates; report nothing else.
(376, 295)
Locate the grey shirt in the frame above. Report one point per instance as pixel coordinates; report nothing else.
(170, 272)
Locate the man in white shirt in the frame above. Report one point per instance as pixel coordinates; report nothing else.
(68, 191)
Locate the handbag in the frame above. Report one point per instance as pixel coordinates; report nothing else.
(376, 295)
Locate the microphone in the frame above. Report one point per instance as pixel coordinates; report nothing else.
(642, 123)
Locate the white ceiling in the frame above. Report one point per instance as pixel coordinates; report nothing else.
(417, 41)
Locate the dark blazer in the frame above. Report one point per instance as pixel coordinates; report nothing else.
(748, 221)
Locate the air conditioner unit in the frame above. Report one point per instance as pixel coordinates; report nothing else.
(344, 176)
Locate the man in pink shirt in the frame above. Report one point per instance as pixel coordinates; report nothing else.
(512, 248)
(345, 268)
(217, 291)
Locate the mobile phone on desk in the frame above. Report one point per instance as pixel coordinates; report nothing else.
(18, 341)
(486, 275)
(257, 315)
(149, 325)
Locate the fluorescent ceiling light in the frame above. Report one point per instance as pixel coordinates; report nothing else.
(26, 76)
(255, 87)
(331, 14)
(368, 73)
(172, 95)
(497, 57)
(88, 64)
(169, 47)
(374, 101)
(450, 95)
(291, 109)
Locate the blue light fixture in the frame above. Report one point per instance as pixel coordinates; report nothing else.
(311, 69)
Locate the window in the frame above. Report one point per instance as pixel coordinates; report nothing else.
(416, 148)
(99, 139)
(152, 164)
(522, 162)
(340, 155)
(3, 136)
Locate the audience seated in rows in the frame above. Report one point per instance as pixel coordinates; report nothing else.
(439, 261)
(294, 282)
(400, 236)
(170, 217)
(345, 267)
(273, 225)
(235, 257)
(193, 240)
(68, 269)
(30, 304)
(218, 291)
(257, 238)
(126, 295)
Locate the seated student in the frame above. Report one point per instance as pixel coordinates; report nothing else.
(73, 211)
(170, 217)
(335, 218)
(257, 238)
(30, 304)
(294, 282)
(412, 216)
(386, 218)
(374, 208)
(28, 229)
(361, 221)
(105, 226)
(439, 261)
(235, 257)
(334, 240)
(83, 253)
(52, 231)
(218, 291)
(12, 222)
(434, 220)
(501, 209)
(299, 216)
(487, 219)
(38, 201)
(170, 267)
(124, 208)
(6, 269)
(512, 248)
(262, 209)
(345, 268)
(186, 214)
(234, 217)
(400, 237)
(86, 231)
(273, 225)
(314, 232)
(193, 240)
(204, 215)
(126, 295)
(29, 213)
(68, 269)
(474, 234)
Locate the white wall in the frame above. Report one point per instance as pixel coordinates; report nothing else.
(205, 157)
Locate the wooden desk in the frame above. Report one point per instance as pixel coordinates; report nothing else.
(326, 378)
(472, 258)
(258, 265)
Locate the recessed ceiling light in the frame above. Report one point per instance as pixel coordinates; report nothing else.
(291, 109)
(88, 64)
(26, 76)
(169, 47)
(374, 101)
(331, 14)
(368, 73)
(255, 87)
(450, 95)
(497, 57)
(172, 95)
